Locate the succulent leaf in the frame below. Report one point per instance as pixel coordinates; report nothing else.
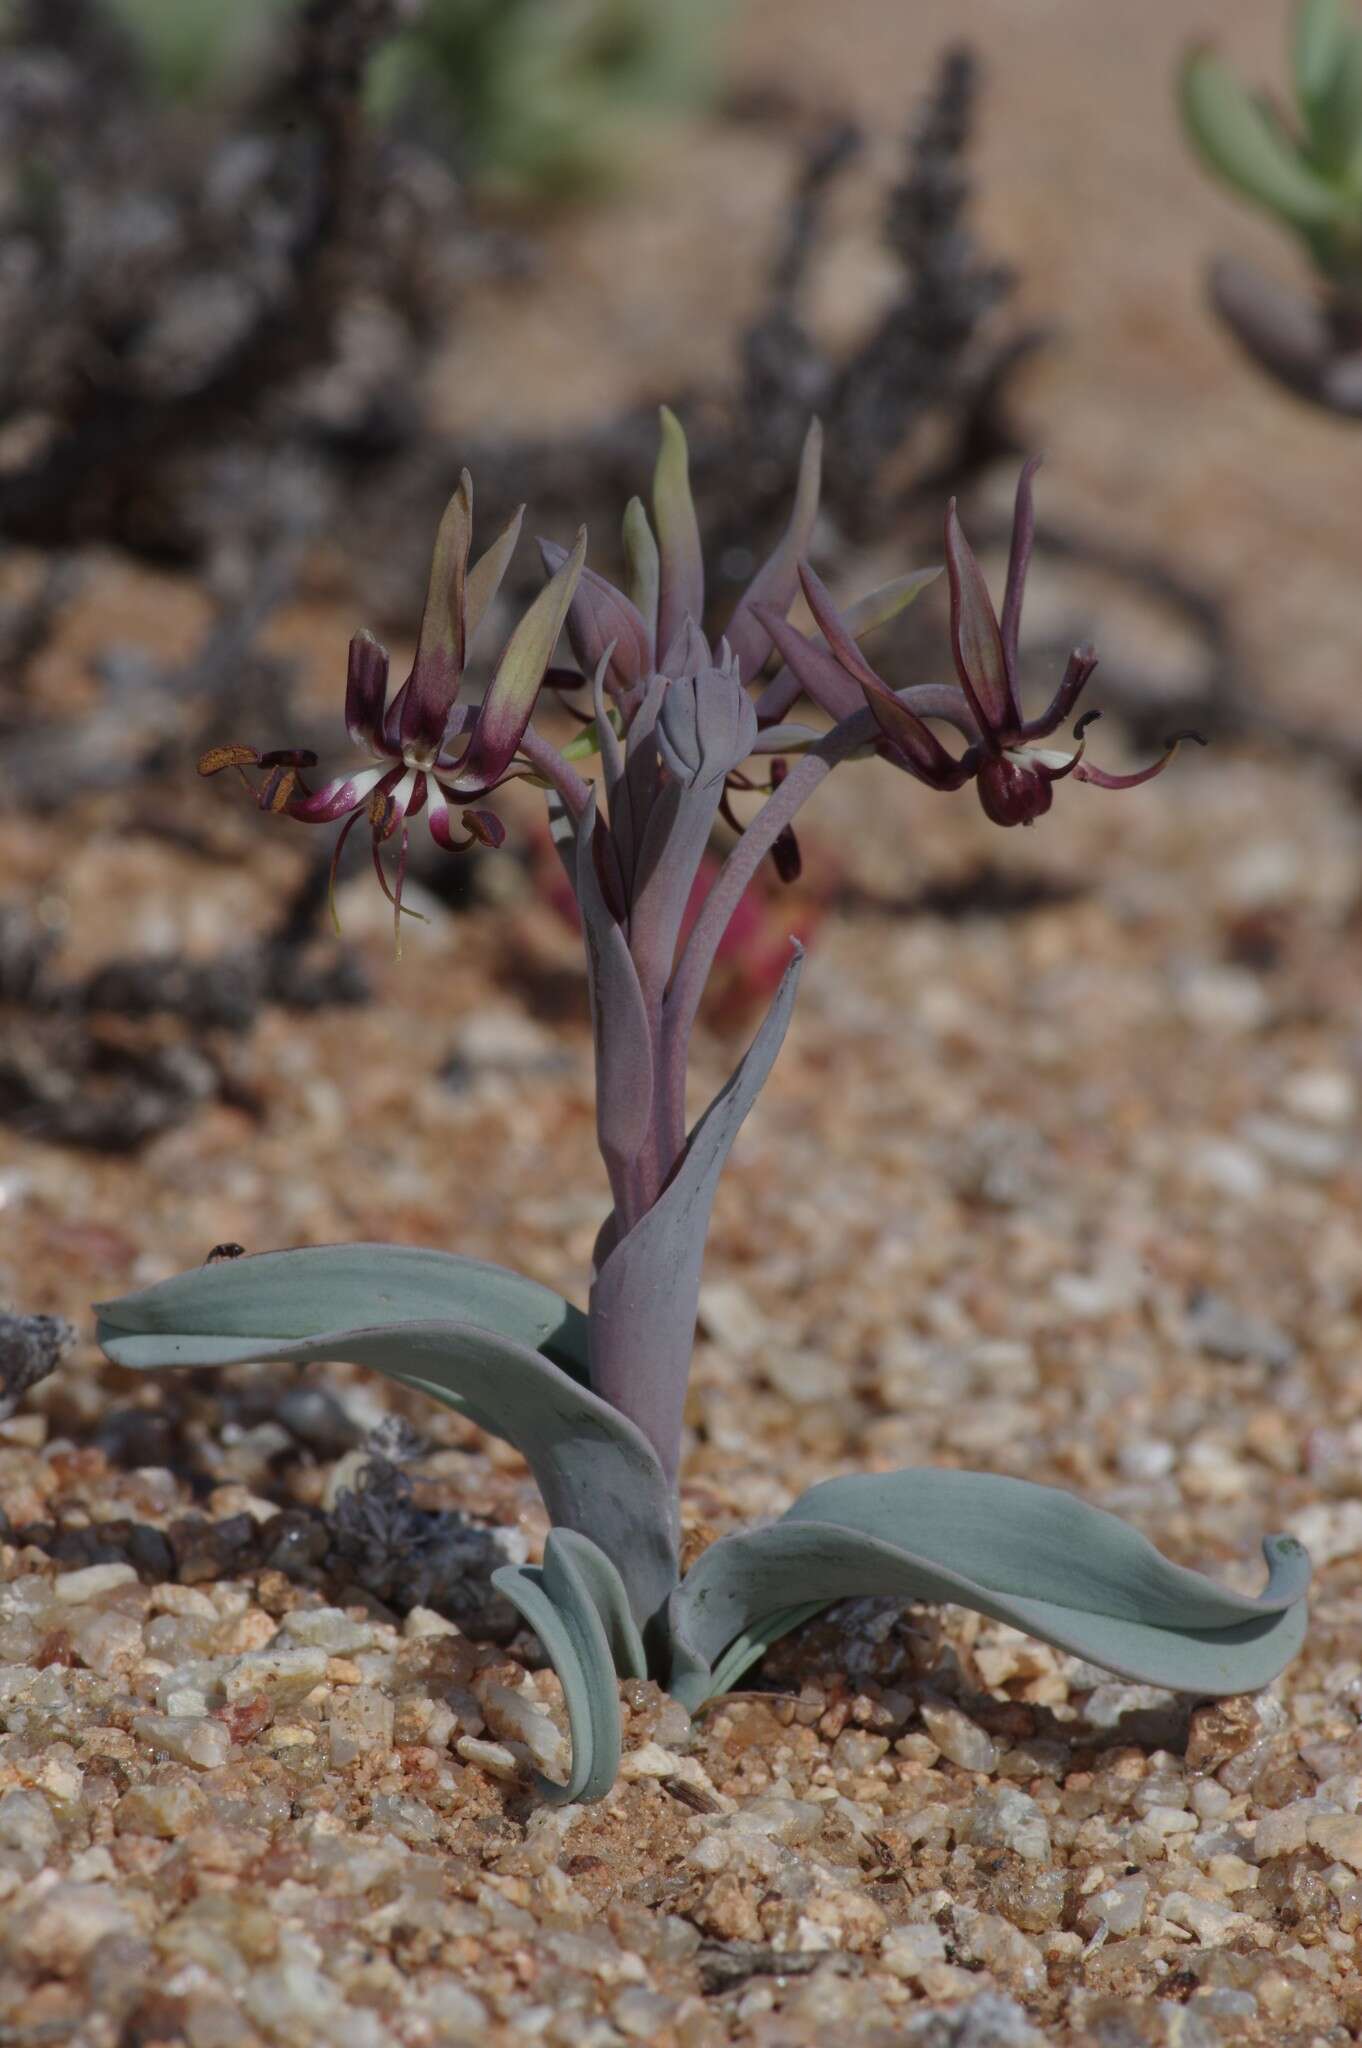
(1030, 1555)
(597, 1473)
(1333, 107)
(575, 1604)
(1246, 146)
(278, 1295)
(1318, 40)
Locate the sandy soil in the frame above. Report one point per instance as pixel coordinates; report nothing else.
(1069, 1190)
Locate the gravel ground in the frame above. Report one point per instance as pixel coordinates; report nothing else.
(1069, 1191)
(1058, 1175)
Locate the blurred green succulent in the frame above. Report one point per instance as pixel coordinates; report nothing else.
(547, 95)
(1304, 168)
(193, 48)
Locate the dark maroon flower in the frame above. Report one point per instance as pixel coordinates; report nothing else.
(428, 750)
(1014, 776)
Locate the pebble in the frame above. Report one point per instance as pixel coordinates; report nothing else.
(1338, 1834)
(359, 1723)
(1003, 1817)
(1210, 1920)
(959, 1738)
(188, 1739)
(805, 1376)
(1222, 1330)
(512, 1717)
(1329, 1530)
(329, 1629)
(493, 1757)
(1119, 1907)
(1325, 1094)
(1303, 1149)
(1283, 1832)
(59, 1930)
(26, 1823)
(424, 1622)
(76, 1588)
(282, 1674)
(164, 1810)
(996, 1945)
(1222, 998)
(986, 2020)
(907, 1951)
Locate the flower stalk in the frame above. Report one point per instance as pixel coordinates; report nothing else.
(681, 730)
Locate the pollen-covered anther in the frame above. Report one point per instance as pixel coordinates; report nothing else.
(276, 792)
(484, 827)
(217, 758)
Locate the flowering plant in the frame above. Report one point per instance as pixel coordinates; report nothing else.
(595, 1401)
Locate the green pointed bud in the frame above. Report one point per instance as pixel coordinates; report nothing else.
(682, 589)
(641, 564)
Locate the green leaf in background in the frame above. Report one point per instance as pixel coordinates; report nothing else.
(1327, 59)
(1317, 44)
(1247, 147)
(196, 47)
(548, 96)
(1030, 1555)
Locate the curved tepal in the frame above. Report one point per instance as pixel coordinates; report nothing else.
(575, 1603)
(598, 1474)
(1031, 1555)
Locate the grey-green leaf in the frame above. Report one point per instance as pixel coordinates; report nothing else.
(1031, 1555)
(1245, 146)
(277, 1295)
(572, 1603)
(597, 1473)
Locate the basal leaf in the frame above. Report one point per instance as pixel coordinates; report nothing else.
(597, 1473)
(278, 1295)
(1031, 1555)
(562, 1602)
